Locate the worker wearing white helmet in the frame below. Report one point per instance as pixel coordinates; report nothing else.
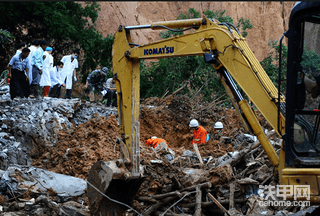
(218, 126)
(199, 133)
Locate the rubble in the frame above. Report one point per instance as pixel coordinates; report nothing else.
(29, 126)
(48, 145)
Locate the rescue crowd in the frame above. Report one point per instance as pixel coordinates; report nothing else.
(32, 69)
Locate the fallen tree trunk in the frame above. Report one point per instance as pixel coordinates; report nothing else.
(198, 202)
(156, 206)
(245, 151)
(208, 204)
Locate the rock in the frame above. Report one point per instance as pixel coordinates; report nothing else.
(220, 174)
(31, 202)
(188, 153)
(282, 213)
(13, 214)
(169, 157)
(1, 173)
(3, 134)
(262, 173)
(59, 183)
(76, 209)
(247, 181)
(255, 208)
(312, 210)
(271, 14)
(193, 176)
(39, 211)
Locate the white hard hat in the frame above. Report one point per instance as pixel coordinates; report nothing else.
(194, 123)
(154, 137)
(218, 125)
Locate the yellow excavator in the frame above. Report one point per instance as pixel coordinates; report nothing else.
(113, 184)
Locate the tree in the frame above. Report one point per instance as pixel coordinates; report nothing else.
(5, 37)
(66, 25)
(310, 63)
(169, 74)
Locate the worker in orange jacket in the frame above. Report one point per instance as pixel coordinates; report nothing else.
(199, 133)
(155, 141)
(200, 136)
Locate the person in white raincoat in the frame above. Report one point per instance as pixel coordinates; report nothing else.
(45, 82)
(34, 46)
(70, 63)
(56, 83)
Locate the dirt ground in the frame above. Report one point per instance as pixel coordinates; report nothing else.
(80, 147)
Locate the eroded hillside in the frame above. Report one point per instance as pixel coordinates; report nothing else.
(269, 19)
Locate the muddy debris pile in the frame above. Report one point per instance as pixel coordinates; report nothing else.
(49, 145)
(227, 184)
(27, 190)
(29, 126)
(235, 169)
(78, 148)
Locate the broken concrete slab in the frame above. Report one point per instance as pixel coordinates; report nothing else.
(63, 185)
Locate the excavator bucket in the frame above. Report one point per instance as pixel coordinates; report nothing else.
(117, 188)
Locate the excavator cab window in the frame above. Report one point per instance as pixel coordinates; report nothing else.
(306, 135)
(302, 138)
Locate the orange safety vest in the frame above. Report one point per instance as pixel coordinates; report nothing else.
(199, 135)
(154, 142)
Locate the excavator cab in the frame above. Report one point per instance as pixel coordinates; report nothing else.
(302, 137)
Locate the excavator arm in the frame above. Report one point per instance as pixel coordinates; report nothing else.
(220, 44)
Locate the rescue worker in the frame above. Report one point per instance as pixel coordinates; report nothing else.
(45, 81)
(96, 80)
(111, 92)
(218, 126)
(155, 141)
(34, 46)
(19, 82)
(70, 63)
(160, 146)
(200, 136)
(56, 83)
(199, 133)
(37, 63)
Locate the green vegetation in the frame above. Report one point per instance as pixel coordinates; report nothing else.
(310, 63)
(5, 37)
(169, 74)
(66, 25)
